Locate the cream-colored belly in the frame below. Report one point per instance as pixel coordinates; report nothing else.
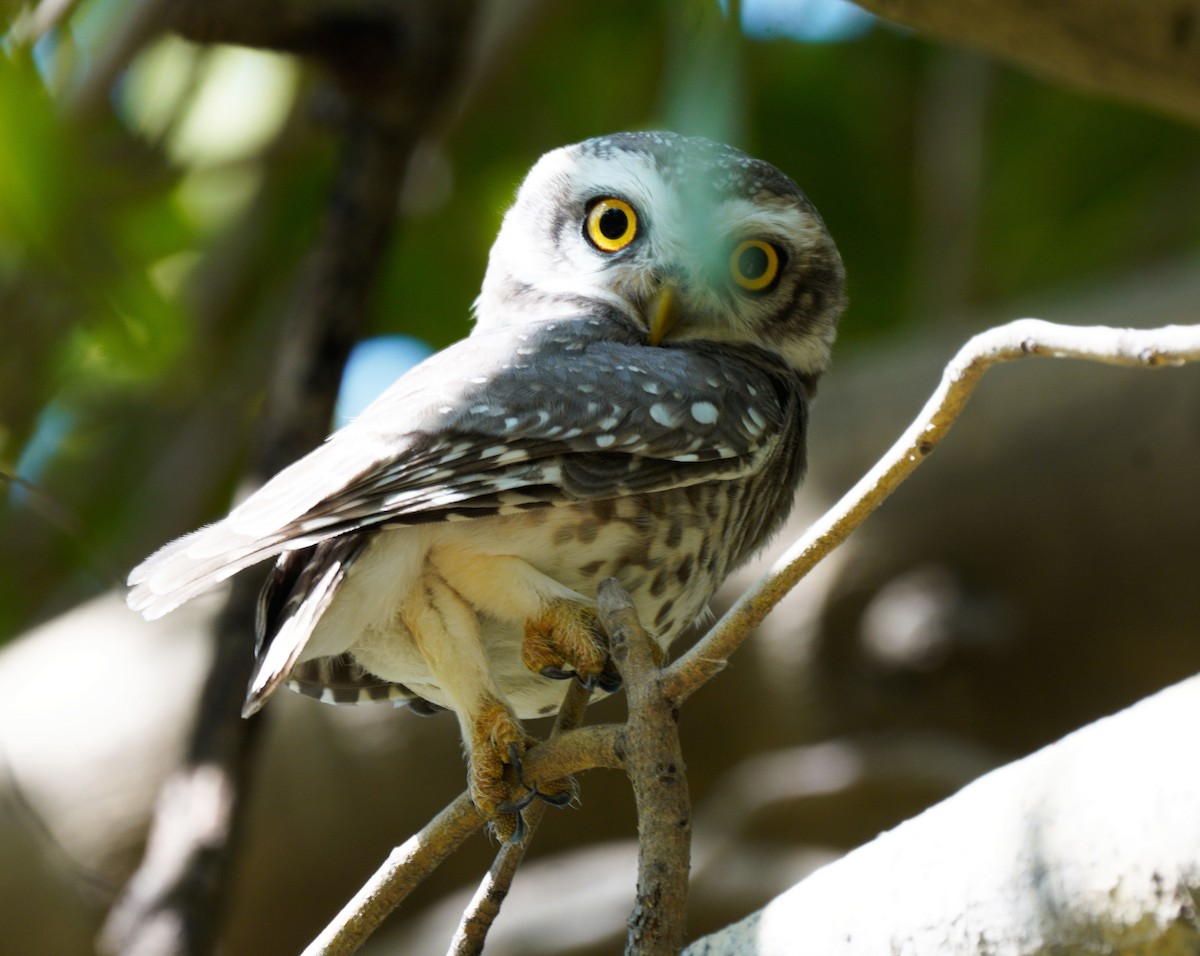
(442, 608)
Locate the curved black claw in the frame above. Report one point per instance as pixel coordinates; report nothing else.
(609, 679)
(516, 806)
(518, 835)
(554, 799)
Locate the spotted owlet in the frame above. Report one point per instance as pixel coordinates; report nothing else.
(632, 402)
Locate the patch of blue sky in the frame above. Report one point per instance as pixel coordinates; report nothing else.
(373, 365)
(809, 21)
(54, 426)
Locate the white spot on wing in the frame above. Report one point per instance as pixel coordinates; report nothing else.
(604, 441)
(661, 414)
(704, 412)
(456, 451)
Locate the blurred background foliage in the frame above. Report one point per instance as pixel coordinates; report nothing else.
(160, 200)
(153, 215)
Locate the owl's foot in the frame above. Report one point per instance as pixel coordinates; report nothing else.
(498, 787)
(565, 640)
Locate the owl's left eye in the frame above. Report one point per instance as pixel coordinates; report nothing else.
(754, 265)
(611, 224)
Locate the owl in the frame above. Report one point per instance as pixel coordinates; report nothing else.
(632, 402)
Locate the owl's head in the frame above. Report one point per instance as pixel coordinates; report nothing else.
(685, 237)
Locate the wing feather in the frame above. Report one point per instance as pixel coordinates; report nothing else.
(566, 411)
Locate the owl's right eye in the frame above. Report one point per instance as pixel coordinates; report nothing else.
(611, 224)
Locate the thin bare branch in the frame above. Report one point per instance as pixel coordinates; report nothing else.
(570, 752)
(405, 868)
(659, 785)
(1145, 348)
(485, 905)
(654, 763)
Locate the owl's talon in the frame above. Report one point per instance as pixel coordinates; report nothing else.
(513, 837)
(564, 640)
(560, 799)
(496, 786)
(609, 680)
(516, 806)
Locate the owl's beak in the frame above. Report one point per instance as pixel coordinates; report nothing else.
(666, 313)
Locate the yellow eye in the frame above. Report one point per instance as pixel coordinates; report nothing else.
(754, 265)
(611, 224)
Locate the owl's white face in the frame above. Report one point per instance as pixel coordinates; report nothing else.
(625, 222)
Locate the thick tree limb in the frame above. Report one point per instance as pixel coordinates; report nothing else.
(172, 904)
(654, 763)
(1146, 53)
(1089, 845)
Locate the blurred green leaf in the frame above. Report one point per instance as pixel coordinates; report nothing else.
(36, 178)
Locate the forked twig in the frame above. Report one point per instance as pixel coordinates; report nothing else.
(606, 746)
(406, 866)
(484, 907)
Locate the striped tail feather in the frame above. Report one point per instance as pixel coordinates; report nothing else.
(298, 591)
(340, 680)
